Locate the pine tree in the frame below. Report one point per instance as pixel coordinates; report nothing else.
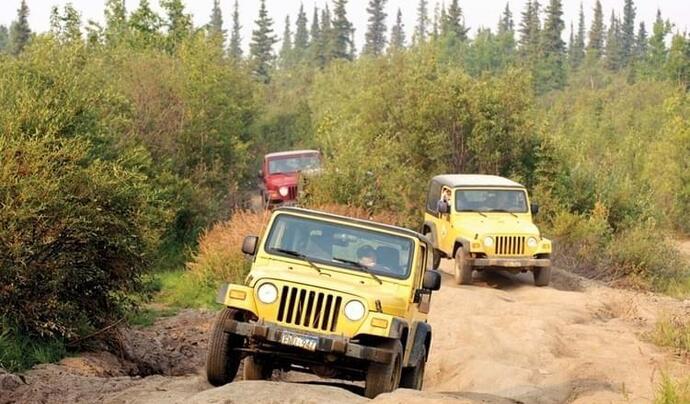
(553, 46)
(178, 22)
(20, 32)
(627, 40)
(315, 43)
(301, 33)
(657, 45)
(613, 44)
(285, 54)
(577, 54)
(530, 28)
(4, 39)
(116, 27)
(506, 24)
(261, 47)
(215, 25)
(325, 46)
(235, 49)
(341, 38)
(595, 47)
(398, 33)
(375, 37)
(641, 42)
(420, 31)
(453, 24)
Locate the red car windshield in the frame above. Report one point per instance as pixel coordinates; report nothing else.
(293, 164)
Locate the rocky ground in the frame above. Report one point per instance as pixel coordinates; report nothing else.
(501, 340)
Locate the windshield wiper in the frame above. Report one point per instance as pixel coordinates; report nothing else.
(475, 211)
(298, 255)
(503, 211)
(360, 266)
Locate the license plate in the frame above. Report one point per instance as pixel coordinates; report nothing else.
(300, 341)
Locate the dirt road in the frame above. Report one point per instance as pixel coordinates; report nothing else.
(499, 341)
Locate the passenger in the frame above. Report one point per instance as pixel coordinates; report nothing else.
(366, 256)
(443, 204)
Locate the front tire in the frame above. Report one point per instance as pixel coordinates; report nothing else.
(413, 377)
(223, 360)
(542, 276)
(384, 377)
(254, 370)
(463, 269)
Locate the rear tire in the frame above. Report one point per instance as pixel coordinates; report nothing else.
(384, 377)
(413, 377)
(254, 370)
(222, 360)
(463, 269)
(542, 276)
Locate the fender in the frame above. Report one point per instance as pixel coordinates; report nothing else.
(422, 339)
(433, 237)
(464, 242)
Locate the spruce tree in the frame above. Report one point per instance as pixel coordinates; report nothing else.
(4, 39)
(235, 49)
(398, 33)
(301, 34)
(657, 45)
(595, 47)
(144, 24)
(627, 40)
(116, 27)
(420, 31)
(215, 25)
(375, 37)
(454, 24)
(506, 24)
(435, 29)
(325, 45)
(341, 38)
(577, 54)
(641, 42)
(315, 41)
(20, 32)
(553, 47)
(261, 47)
(285, 54)
(530, 28)
(178, 23)
(613, 48)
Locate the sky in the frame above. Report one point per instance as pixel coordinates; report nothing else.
(482, 13)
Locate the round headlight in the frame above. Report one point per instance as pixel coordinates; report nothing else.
(267, 293)
(283, 191)
(532, 242)
(354, 310)
(488, 242)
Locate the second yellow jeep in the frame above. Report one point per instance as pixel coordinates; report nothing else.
(331, 295)
(485, 222)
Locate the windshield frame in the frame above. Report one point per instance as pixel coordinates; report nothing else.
(456, 192)
(314, 156)
(325, 264)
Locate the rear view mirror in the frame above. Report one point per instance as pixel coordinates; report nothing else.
(249, 245)
(432, 280)
(534, 208)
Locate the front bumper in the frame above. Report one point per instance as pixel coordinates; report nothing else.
(510, 263)
(328, 344)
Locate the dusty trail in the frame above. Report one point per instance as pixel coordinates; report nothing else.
(499, 341)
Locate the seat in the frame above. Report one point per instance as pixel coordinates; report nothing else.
(318, 247)
(389, 257)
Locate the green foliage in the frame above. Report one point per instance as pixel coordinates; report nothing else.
(261, 48)
(19, 351)
(672, 392)
(376, 30)
(235, 49)
(398, 33)
(20, 32)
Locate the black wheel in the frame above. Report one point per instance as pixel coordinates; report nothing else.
(437, 253)
(256, 370)
(223, 360)
(413, 376)
(384, 377)
(542, 276)
(463, 269)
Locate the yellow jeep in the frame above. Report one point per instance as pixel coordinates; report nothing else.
(331, 295)
(485, 223)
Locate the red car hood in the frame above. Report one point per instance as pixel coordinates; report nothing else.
(278, 180)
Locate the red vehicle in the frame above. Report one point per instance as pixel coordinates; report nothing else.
(280, 174)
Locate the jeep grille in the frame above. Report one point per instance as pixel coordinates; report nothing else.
(509, 245)
(309, 309)
(292, 192)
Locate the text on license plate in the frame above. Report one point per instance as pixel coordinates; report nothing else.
(300, 341)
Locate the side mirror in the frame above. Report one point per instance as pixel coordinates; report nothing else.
(432, 280)
(534, 208)
(249, 245)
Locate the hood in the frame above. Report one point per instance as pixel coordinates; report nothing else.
(352, 283)
(281, 179)
(496, 223)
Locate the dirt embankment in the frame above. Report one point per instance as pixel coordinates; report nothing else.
(499, 341)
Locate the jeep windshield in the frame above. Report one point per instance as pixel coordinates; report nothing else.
(490, 200)
(293, 164)
(341, 245)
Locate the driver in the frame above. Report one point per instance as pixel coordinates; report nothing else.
(366, 255)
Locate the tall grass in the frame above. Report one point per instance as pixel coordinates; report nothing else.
(19, 351)
(672, 392)
(673, 332)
